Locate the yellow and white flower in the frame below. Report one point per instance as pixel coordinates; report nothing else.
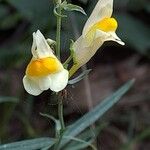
(44, 71)
(100, 27)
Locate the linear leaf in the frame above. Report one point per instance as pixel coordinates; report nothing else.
(96, 113)
(88, 135)
(32, 144)
(4, 99)
(71, 7)
(77, 146)
(80, 77)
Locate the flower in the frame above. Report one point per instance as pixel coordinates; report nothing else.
(44, 71)
(100, 27)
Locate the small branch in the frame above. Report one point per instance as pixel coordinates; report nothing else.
(60, 100)
(68, 60)
(60, 113)
(58, 32)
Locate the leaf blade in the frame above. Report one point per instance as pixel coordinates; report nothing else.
(71, 7)
(32, 144)
(80, 77)
(88, 135)
(96, 113)
(4, 99)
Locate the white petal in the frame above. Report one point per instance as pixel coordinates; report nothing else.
(114, 37)
(33, 48)
(41, 41)
(43, 49)
(59, 80)
(83, 53)
(80, 50)
(44, 83)
(31, 86)
(101, 35)
(103, 9)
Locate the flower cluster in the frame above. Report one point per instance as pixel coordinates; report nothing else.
(45, 71)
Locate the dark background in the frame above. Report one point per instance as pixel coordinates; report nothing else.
(127, 124)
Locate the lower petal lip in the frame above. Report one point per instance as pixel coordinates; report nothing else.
(43, 67)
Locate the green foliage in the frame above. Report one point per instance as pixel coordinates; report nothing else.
(33, 144)
(70, 7)
(67, 7)
(57, 123)
(88, 135)
(4, 99)
(76, 128)
(80, 77)
(95, 113)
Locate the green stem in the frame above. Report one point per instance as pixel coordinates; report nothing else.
(58, 31)
(73, 70)
(60, 103)
(61, 119)
(67, 61)
(60, 113)
(57, 145)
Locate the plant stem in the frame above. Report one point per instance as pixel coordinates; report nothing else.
(60, 113)
(73, 70)
(58, 31)
(61, 119)
(58, 38)
(67, 61)
(60, 102)
(57, 145)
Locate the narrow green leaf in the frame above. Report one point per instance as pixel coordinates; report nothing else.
(4, 99)
(79, 141)
(56, 13)
(71, 7)
(88, 135)
(33, 144)
(80, 77)
(96, 113)
(46, 148)
(57, 123)
(66, 63)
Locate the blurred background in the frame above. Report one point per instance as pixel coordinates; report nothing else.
(127, 125)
